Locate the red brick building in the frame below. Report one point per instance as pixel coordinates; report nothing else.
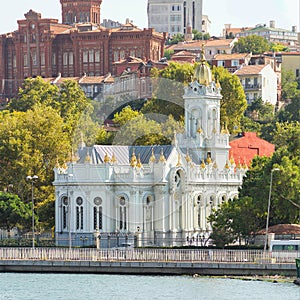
(44, 47)
(247, 146)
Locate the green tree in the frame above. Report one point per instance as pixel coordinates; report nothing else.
(168, 90)
(31, 143)
(251, 44)
(139, 131)
(13, 212)
(277, 47)
(260, 111)
(198, 35)
(34, 91)
(125, 115)
(175, 39)
(289, 85)
(233, 103)
(168, 53)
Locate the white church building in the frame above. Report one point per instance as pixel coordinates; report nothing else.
(151, 195)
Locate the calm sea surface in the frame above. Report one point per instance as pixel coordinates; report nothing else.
(72, 286)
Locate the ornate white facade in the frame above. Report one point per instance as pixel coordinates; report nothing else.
(158, 195)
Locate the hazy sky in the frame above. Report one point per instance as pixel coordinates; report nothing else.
(236, 12)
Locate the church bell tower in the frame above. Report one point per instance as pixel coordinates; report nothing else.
(80, 11)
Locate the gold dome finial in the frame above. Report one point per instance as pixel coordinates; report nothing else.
(208, 159)
(203, 166)
(199, 130)
(239, 166)
(139, 163)
(152, 157)
(178, 161)
(203, 73)
(227, 167)
(133, 161)
(87, 158)
(57, 163)
(187, 157)
(215, 166)
(162, 156)
(106, 158)
(113, 159)
(232, 161)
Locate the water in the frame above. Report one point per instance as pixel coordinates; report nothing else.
(72, 286)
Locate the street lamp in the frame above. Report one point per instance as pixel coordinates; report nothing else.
(269, 204)
(33, 179)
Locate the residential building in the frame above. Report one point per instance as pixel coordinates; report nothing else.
(259, 81)
(211, 47)
(231, 62)
(272, 34)
(247, 145)
(172, 16)
(274, 59)
(151, 195)
(291, 62)
(43, 47)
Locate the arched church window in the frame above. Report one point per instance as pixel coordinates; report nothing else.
(65, 204)
(148, 200)
(123, 213)
(98, 217)
(79, 213)
(199, 200)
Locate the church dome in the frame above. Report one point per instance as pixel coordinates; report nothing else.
(203, 72)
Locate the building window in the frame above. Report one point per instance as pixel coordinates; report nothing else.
(71, 58)
(14, 61)
(97, 56)
(91, 56)
(43, 58)
(65, 59)
(221, 63)
(85, 56)
(54, 59)
(98, 216)
(79, 213)
(34, 60)
(116, 55)
(122, 54)
(25, 60)
(235, 63)
(297, 72)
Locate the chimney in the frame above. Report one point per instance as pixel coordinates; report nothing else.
(272, 24)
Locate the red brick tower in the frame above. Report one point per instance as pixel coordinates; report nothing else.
(80, 11)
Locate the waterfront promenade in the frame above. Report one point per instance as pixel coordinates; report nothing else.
(148, 261)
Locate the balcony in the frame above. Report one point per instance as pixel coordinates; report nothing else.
(252, 87)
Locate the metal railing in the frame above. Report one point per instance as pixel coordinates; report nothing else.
(149, 255)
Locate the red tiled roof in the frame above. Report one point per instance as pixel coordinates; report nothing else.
(231, 56)
(282, 229)
(245, 148)
(250, 70)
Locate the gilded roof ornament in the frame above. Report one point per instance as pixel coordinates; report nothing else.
(203, 165)
(133, 160)
(113, 159)
(178, 161)
(106, 158)
(139, 163)
(152, 157)
(162, 156)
